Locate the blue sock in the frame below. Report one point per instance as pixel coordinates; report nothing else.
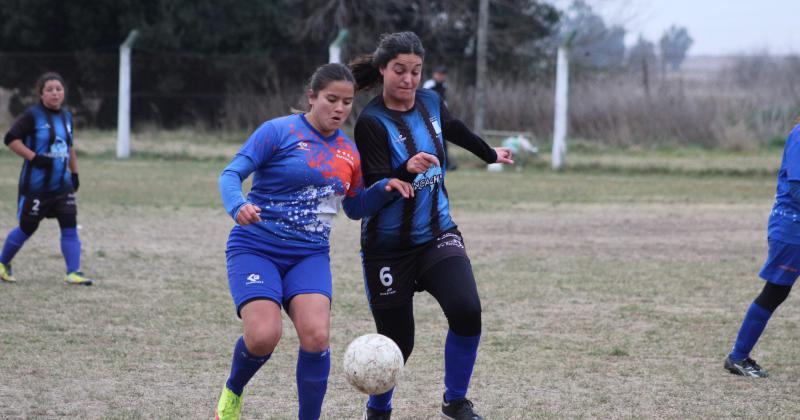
(312, 382)
(459, 359)
(16, 238)
(381, 402)
(71, 249)
(243, 367)
(752, 326)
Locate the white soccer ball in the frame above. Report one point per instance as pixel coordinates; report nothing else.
(372, 363)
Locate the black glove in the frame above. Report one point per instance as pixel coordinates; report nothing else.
(40, 161)
(75, 181)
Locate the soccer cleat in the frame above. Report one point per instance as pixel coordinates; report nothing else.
(460, 409)
(745, 367)
(229, 406)
(373, 414)
(77, 277)
(5, 273)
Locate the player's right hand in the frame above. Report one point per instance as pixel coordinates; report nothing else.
(248, 213)
(404, 188)
(419, 163)
(41, 161)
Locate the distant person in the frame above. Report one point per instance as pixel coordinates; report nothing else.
(782, 267)
(414, 245)
(437, 83)
(48, 184)
(304, 166)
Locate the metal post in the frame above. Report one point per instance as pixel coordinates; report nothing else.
(124, 100)
(561, 108)
(480, 84)
(335, 49)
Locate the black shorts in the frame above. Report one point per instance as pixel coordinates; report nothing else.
(391, 279)
(34, 209)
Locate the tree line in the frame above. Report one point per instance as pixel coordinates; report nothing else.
(194, 57)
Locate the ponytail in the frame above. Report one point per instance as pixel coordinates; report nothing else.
(365, 72)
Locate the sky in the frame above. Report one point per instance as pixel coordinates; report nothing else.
(718, 27)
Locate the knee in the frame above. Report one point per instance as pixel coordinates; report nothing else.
(772, 296)
(262, 339)
(315, 339)
(403, 339)
(465, 320)
(67, 221)
(28, 227)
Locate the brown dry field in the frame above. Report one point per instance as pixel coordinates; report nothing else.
(605, 295)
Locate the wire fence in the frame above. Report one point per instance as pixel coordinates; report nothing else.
(712, 102)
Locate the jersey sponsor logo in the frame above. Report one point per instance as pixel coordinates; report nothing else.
(59, 149)
(253, 278)
(429, 179)
(303, 146)
(343, 154)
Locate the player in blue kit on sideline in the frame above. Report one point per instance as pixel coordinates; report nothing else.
(304, 167)
(782, 266)
(414, 245)
(42, 136)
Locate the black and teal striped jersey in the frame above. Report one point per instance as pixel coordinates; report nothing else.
(386, 139)
(47, 133)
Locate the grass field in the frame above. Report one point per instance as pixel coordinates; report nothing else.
(613, 289)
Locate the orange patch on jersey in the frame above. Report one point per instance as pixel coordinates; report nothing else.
(340, 162)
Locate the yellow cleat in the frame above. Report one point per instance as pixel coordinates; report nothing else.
(5, 273)
(229, 406)
(77, 277)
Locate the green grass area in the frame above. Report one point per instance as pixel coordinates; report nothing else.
(607, 292)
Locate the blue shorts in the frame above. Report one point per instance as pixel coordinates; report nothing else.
(276, 273)
(783, 263)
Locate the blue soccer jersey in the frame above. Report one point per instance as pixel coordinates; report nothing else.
(387, 139)
(784, 221)
(300, 179)
(47, 133)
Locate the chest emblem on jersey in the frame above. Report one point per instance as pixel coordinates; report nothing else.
(399, 139)
(436, 126)
(303, 146)
(429, 179)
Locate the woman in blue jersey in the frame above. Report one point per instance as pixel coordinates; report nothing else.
(42, 136)
(782, 266)
(414, 245)
(304, 167)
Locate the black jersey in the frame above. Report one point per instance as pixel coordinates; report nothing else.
(47, 133)
(386, 139)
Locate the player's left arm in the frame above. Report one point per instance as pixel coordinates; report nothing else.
(456, 132)
(360, 202)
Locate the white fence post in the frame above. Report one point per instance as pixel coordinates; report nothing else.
(335, 49)
(124, 100)
(561, 108)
